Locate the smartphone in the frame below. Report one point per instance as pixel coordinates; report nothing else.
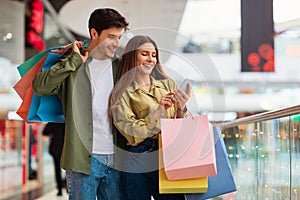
(183, 85)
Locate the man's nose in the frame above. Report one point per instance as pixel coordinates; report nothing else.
(117, 42)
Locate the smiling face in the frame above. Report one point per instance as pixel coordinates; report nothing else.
(146, 59)
(105, 45)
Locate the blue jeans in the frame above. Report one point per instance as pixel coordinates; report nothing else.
(141, 182)
(103, 182)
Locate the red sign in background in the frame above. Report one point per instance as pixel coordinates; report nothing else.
(257, 36)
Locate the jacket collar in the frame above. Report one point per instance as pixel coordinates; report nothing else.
(134, 86)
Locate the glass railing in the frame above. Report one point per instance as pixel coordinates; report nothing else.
(264, 153)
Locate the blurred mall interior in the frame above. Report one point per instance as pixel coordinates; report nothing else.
(242, 58)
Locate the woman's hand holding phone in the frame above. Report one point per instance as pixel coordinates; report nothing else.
(182, 94)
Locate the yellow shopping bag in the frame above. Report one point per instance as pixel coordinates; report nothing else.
(197, 185)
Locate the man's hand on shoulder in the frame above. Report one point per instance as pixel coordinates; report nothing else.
(76, 46)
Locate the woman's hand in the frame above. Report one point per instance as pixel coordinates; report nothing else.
(182, 96)
(76, 46)
(167, 101)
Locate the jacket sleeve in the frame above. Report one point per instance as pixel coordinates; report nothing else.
(50, 81)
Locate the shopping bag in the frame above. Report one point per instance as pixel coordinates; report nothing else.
(50, 109)
(31, 62)
(31, 67)
(25, 105)
(25, 82)
(47, 108)
(179, 186)
(24, 89)
(28, 64)
(188, 148)
(224, 181)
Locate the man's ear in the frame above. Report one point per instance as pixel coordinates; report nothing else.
(94, 33)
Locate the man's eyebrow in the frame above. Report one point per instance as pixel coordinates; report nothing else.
(115, 35)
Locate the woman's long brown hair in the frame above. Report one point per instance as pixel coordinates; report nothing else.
(128, 67)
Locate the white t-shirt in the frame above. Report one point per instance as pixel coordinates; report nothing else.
(102, 85)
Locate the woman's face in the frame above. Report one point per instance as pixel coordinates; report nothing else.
(146, 58)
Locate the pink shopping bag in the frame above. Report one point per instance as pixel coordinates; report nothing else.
(188, 148)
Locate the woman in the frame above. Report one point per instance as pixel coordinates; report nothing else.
(141, 97)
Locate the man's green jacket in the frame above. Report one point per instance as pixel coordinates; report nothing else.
(69, 79)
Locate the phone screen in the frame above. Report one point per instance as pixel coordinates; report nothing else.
(183, 85)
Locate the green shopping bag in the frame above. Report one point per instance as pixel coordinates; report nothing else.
(28, 64)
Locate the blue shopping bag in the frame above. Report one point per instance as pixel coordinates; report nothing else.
(46, 108)
(224, 181)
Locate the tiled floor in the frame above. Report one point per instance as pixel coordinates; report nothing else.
(52, 195)
(32, 191)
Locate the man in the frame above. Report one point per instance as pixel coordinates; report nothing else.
(83, 81)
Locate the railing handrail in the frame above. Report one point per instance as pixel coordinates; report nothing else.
(284, 112)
